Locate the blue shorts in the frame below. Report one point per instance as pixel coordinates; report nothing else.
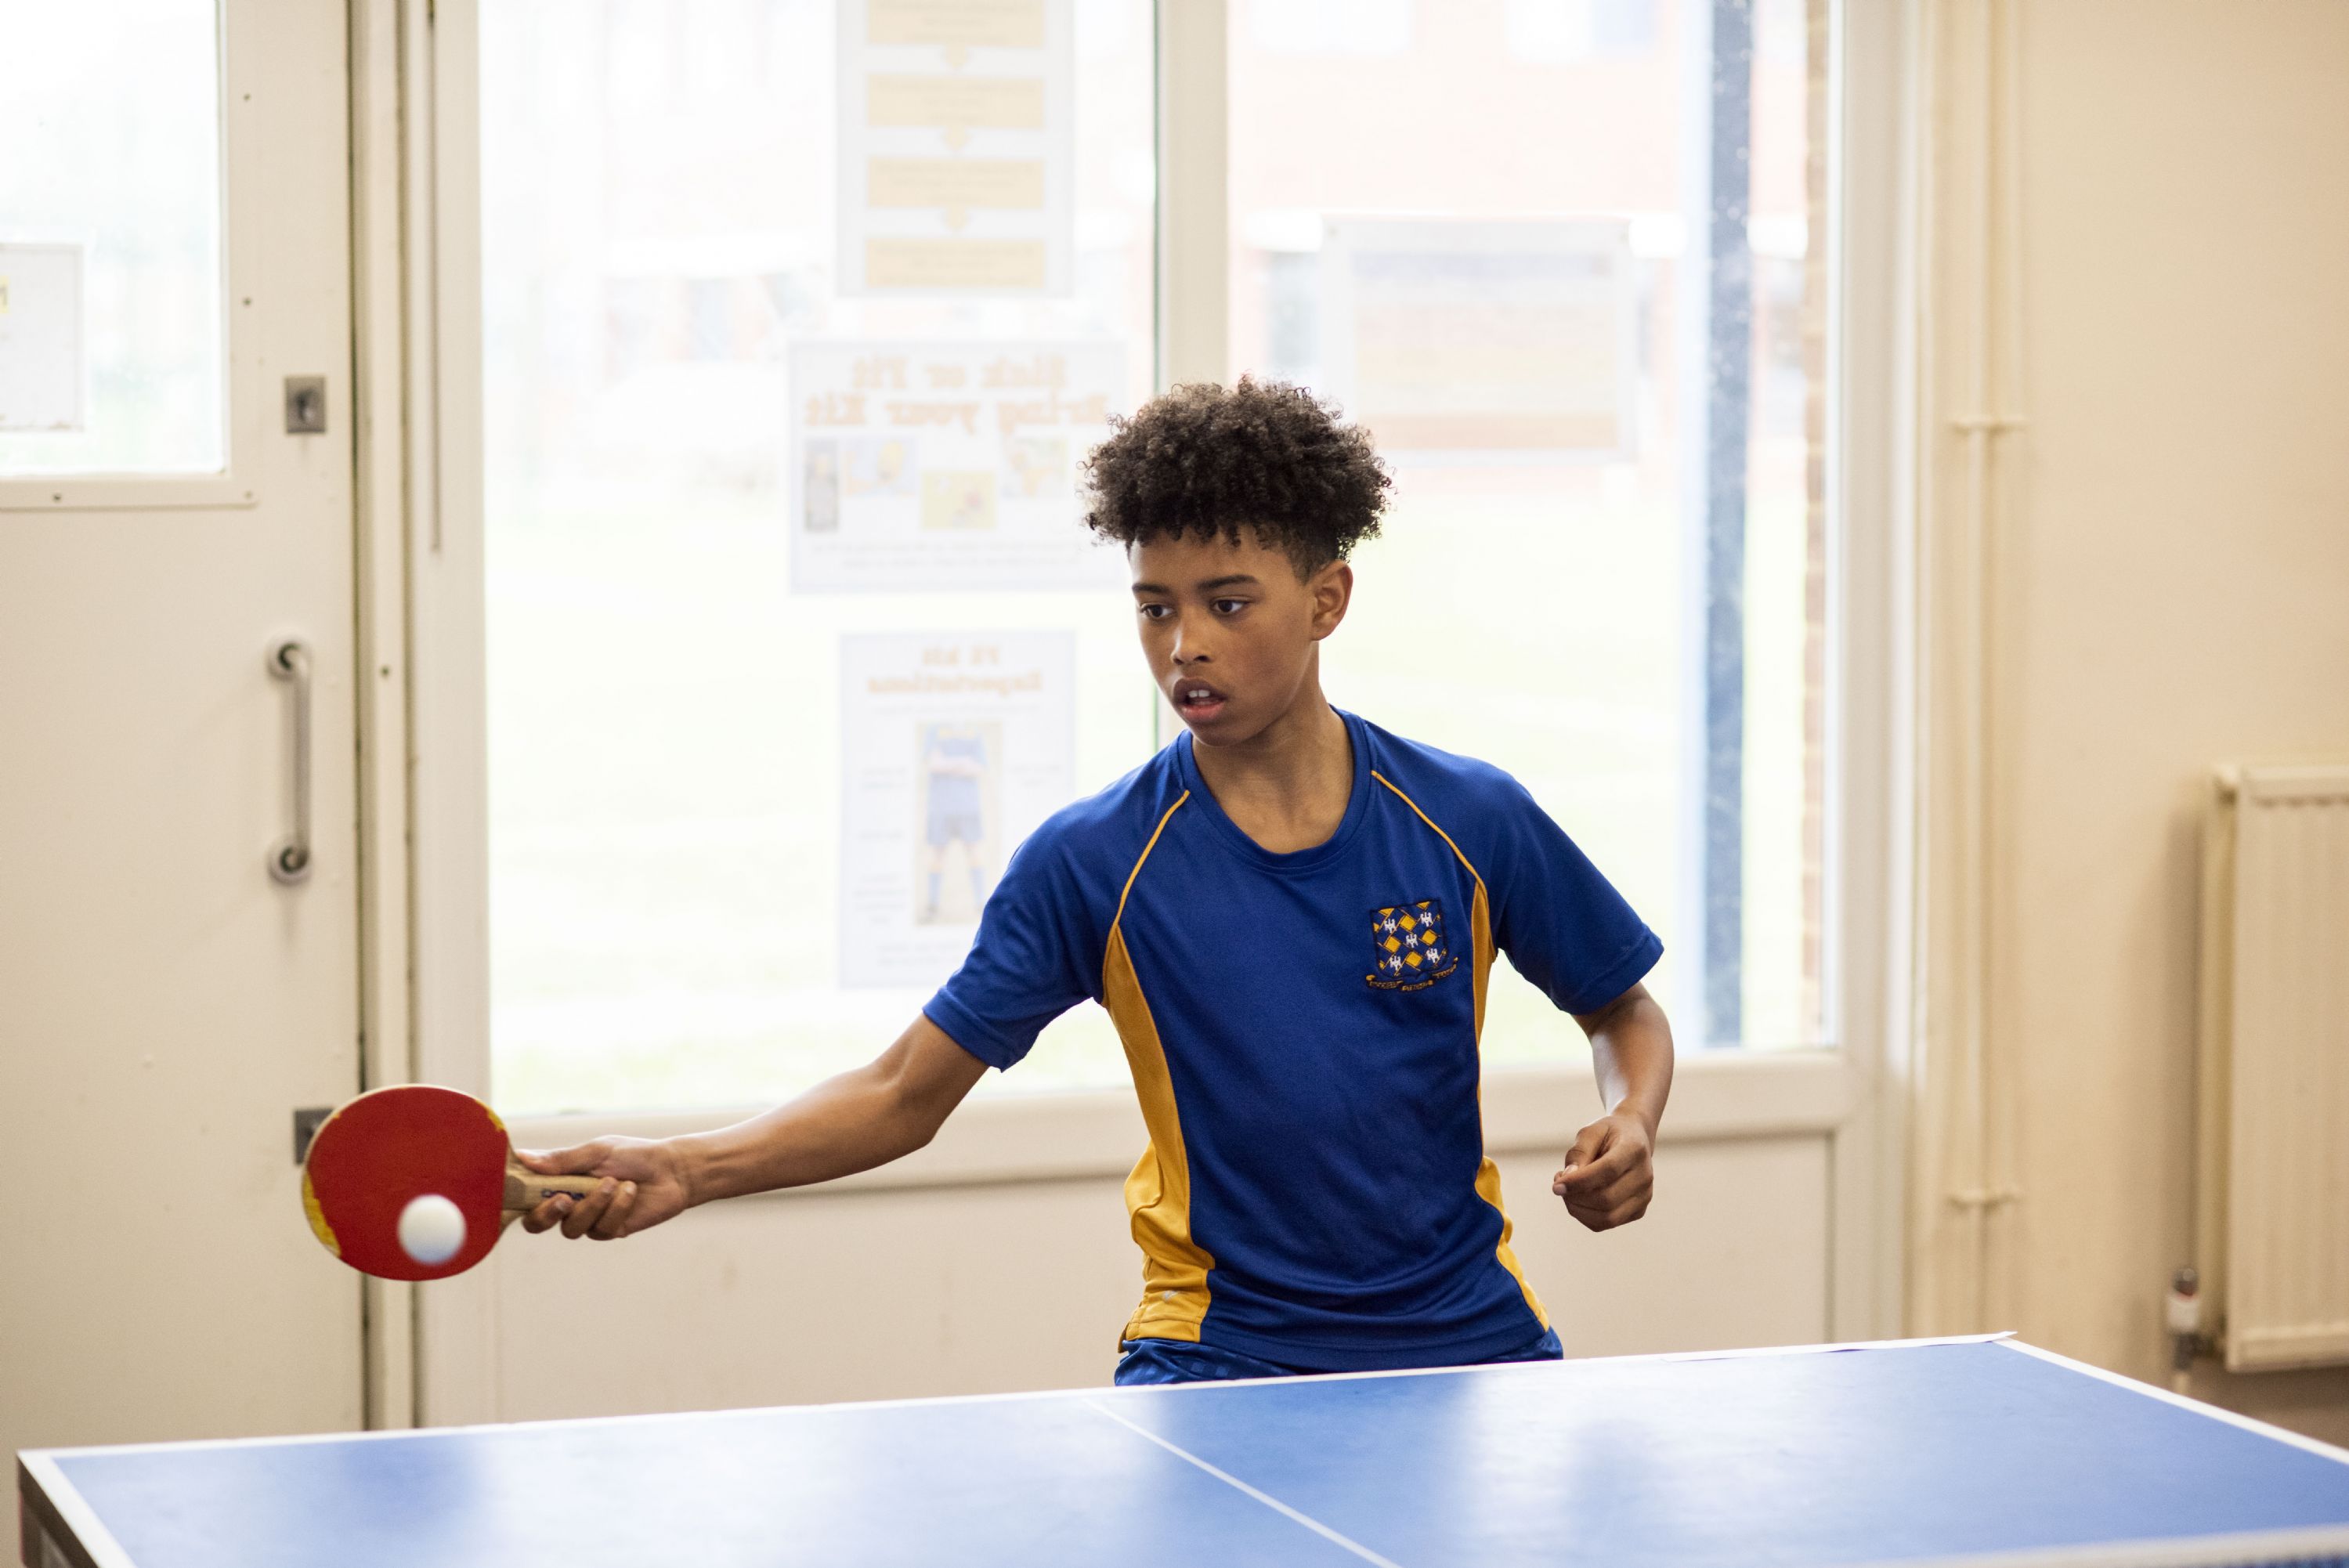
(1181, 1361)
(953, 828)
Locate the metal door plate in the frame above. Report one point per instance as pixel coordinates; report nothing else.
(305, 404)
(305, 1128)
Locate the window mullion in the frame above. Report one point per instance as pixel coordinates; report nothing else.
(1194, 195)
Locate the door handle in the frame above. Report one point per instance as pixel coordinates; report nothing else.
(289, 857)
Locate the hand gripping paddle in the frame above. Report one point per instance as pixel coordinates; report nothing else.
(385, 1149)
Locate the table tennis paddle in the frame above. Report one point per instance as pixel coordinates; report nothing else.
(379, 1153)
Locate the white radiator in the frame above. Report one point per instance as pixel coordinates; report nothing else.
(2272, 1238)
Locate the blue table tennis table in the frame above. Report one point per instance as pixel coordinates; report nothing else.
(1913, 1452)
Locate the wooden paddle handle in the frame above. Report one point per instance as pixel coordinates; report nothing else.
(526, 1189)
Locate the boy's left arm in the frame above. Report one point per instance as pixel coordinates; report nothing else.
(1609, 1173)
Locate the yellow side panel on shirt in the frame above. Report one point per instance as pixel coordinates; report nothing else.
(1488, 1175)
(1158, 1193)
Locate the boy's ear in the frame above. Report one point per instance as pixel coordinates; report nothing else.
(1331, 589)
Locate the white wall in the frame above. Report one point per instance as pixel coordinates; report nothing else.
(2169, 588)
(939, 1279)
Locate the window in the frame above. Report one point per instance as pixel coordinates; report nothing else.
(110, 292)
(1594, 373)
(1560, 32)
(776, 682)
(689, 571)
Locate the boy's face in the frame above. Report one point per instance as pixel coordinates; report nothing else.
(1230, 630)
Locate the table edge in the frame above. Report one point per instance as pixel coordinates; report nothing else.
(2301, 1440)
(1082, 1391)
(52, 1504)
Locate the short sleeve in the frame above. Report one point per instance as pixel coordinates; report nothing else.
(1562, 924)
(1032, 960)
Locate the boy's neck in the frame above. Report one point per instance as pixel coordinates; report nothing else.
(1288, 786)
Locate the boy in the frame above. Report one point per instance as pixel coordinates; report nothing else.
(1289, 914)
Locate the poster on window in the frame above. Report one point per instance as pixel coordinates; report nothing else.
(1483, 342)
(956, 147)
(947, 465)
(953, 746)
(41, 375)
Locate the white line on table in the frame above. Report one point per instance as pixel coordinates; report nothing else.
(1306, 1520)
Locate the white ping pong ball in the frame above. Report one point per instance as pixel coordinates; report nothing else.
(431, 1230)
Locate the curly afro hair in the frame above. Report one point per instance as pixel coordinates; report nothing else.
(1205, 461)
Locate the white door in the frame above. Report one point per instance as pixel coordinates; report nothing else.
(174, 241)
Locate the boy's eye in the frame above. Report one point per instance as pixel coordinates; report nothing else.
(1227, 606)
(1153, 612)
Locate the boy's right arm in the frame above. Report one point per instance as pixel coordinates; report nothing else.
(868, 1116)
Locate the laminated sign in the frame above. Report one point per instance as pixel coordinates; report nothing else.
(41, 375)
(955, 147)
(954, 745)
(947, 465)
(1484, 342)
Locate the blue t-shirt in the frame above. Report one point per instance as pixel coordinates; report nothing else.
(1303, 1034)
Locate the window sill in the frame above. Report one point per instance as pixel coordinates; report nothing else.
(1084, 1135)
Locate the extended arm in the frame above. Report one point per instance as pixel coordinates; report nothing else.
(866, 1117)
(1610, 1174)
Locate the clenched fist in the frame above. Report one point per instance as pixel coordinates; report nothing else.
(1609, 1173)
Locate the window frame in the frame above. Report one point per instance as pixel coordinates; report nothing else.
(245, 371)
(425, 811)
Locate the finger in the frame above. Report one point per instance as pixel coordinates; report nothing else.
(1611, 1215)
(547, 1214)
(614, 1222)
(1610, 1166)
(1586, 1145)
(577, 1160)
(1633, 1183)
(585, 1212)
(1586, 1148)
(1623, 1213)
(590, 1209)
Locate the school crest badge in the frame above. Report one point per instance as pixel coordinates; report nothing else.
(1408, 946)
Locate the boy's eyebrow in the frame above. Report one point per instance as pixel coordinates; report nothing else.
(1233, 581)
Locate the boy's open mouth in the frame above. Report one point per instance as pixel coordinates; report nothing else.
(1197, 699)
